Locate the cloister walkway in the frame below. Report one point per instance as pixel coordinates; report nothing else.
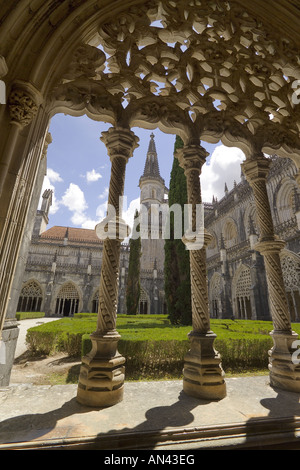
(152, 416)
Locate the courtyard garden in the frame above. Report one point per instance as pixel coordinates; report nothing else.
(153, 348)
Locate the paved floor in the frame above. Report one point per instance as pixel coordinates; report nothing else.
(153, 415)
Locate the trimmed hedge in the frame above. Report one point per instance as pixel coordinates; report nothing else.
(29, 315)
(154, 348)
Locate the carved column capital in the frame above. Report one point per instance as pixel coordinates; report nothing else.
(192, 158)
(120, 142)
(256, 169)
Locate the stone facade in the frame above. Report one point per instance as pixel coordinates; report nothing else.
(236, 271)
(62, 274)
(63, 268)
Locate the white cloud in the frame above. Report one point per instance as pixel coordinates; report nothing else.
(75, 201)
(224, 167)
(53, 176)
(92, 176)
(104, 194)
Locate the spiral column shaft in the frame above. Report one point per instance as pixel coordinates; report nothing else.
(102, 374)
(283, 372)
(203, 374)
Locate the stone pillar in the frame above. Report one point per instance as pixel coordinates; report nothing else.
(203, 374)
(23, 107)
(10, 330)
(101, 381)
(283, 373)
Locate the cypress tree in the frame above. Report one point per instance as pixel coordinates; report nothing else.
(177, 262)
(133, 281)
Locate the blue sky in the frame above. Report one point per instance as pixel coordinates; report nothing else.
(79, 170)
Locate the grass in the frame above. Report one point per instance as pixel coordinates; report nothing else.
(155, 349)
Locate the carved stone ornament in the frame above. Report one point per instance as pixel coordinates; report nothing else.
(22, 107)
(205, 69)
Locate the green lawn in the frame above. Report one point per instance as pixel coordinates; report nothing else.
(155, 348)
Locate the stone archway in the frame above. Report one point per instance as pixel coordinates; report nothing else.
(67, 300)
(144, 303)
(241, 286)
(205, 70)
(230, 233)
(31, 297)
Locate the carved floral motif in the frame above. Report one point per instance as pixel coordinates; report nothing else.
(211, 61)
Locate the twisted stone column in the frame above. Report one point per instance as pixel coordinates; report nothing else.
(283, 373)
(101, 380)
(203, 374)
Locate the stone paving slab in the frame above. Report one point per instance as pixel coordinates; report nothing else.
(153, 415)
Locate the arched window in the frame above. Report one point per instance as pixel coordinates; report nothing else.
(67, 301)
(144, 303)
(285, 201)
(230, 233)
(95, 302)
(215, 289)
(241, 292)
(31, 298)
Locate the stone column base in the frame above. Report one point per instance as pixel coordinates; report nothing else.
(101, 379)
(203, 376)
(283, 361)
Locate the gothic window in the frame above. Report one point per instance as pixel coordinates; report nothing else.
(215, 295)
(212, 246)
(291, 275)
(67, 301)
(230, 234)
(144, 303)
(242, 289)
(285, 202)
(95, 302)
(31, 297)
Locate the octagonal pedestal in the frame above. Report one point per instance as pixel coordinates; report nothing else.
(102, 373)
(283, 361)
(203, 376)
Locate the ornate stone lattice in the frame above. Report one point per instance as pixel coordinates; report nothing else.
(243, 284)
(215, 287)
(291, 273)
(203, 69)
(67, 301)
(32, 289)
(68, 291)
(30, 298)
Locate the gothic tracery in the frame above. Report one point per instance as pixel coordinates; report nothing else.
(207, 70)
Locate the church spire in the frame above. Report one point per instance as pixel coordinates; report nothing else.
(151, 166)
(152, 185)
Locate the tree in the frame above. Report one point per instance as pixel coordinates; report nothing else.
(133, 281)
(177, 262)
